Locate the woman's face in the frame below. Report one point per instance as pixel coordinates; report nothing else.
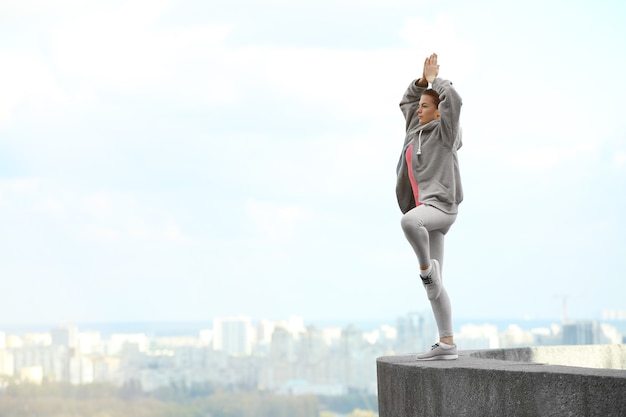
(427, 110)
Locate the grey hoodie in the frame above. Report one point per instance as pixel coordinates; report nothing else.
(436, 169)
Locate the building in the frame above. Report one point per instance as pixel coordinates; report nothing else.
(415, 334)
(232, 335)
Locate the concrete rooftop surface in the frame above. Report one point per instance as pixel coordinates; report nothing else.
(575, 381)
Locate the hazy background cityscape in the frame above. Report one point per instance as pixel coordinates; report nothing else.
(287, 357)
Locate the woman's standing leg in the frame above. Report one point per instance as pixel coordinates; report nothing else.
(442, 309)
(425, 228)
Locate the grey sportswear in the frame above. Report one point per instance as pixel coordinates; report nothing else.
(436, 170)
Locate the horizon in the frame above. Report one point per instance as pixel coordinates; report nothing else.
(186, 328)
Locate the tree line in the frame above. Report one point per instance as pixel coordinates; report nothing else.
(201, 400)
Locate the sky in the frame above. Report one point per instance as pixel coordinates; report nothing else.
(185, 160)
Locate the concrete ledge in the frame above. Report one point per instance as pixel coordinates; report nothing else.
(483, 383)
(587, 356)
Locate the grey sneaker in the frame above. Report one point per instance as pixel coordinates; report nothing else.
(432, 282)
(439, 351)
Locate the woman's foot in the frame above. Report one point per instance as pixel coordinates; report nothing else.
(439, 351)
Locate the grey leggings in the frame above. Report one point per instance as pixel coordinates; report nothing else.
(425, 227)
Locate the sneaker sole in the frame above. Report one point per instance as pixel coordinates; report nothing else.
(439, 357)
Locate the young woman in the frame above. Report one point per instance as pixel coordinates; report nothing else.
(429, 187)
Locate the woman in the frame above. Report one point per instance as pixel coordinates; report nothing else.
(429, 187)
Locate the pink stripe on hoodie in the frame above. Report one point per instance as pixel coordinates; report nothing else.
(409, 164)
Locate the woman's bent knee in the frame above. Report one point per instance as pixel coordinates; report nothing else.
(410, 221)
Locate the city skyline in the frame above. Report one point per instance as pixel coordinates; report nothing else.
(285, 357)
(179, 161)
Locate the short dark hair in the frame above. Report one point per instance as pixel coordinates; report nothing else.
(432, 93)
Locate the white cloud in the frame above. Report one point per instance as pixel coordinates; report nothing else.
(101, 234)
(136, 232)
(85, 215)
(117, 217)
(16, 193)
(119, 47)
(277, 223)
(26, 78)
(98, 205)
(100, 50)
(353, 163)
(349, 82)
(619, 160)
(133, 157)
(19, 185)
(125, 50)
(531, 157)
(457, 57)
(51, 206)
(173, 233)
